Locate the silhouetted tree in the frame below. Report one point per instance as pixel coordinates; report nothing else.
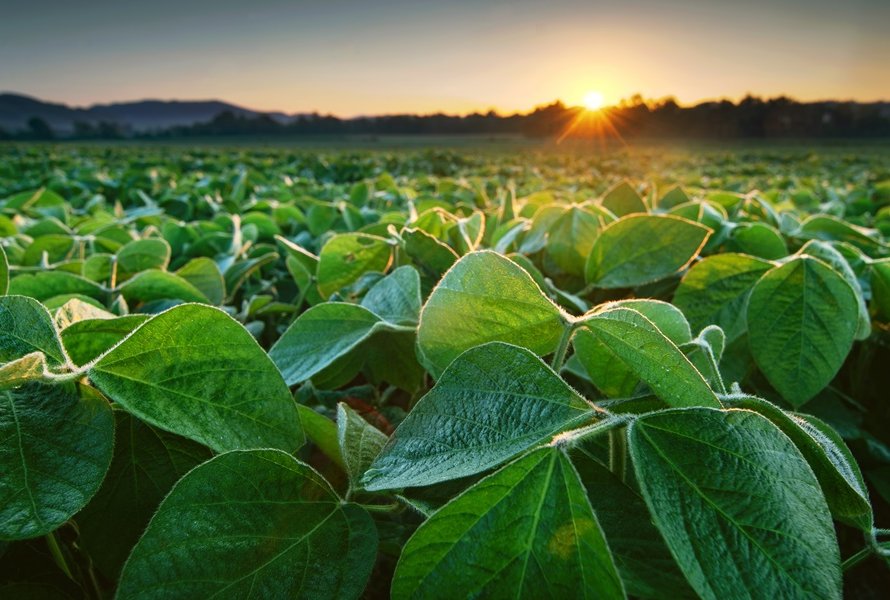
(39, 129)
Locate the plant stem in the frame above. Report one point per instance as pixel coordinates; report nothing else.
(857, 558)
(617, 452)
(57, 555)
(567, 438)
(381, 507)
(712, 362)
(560, 355)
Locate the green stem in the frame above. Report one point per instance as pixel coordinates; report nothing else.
(617, 452)
(567, 438)
(57, 555)
(560, 355)
(381, 507)
(857, 558)
(712, 362)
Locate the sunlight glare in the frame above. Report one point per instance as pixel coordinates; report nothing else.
(593, 100)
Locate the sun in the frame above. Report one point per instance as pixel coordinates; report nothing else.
(593, 100)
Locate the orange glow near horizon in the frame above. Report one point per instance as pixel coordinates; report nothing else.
(592, 123)
(351, 58)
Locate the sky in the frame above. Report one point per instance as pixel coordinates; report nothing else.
(352, 57)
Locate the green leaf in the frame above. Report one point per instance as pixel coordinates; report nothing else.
(396, 297)
(86, 340)
(485, 297)
(141, 255)
(640, 249)
(348, 256)
(623, 200)
(707, 214)
(235, 276)
(391, 357)
(737, 504)
(609, 373)
(760, 240)
(834, 259)
(322, 432)
(535, 238)
(652, 357)
(55, 248)
(705, 352)
(55, 447)
(360, 442)
(204, 275)
(4, 272)
(827, 455)
(492, 403)
(715, 292)
(880, 285)
(98, 267)
(146, 464)
(527, 531)
(674, 197)
(27, 327)
(570, 239)
(427, 251)
(47, 284)
(153, 285)
(643, 560)
(669, 319)
(802, 318)
(829, 228)
(196, 372)
(252, 524)
(322, 335)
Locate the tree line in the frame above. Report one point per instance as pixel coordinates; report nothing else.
(751, 117)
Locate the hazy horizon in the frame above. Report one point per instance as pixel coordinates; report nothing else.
(350, 58)
(501, 113)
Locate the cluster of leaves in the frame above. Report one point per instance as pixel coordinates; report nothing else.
(276, 375)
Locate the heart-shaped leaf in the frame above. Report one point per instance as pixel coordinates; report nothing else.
(26, 327)
(56, 447)
(639, 249)
(527, 531)
(715, 292)
(485, 297)
(492, 403)
(195, 371)
(737, 504)
(802, 319)
(146, 464)
(254, 523)
(646, 352)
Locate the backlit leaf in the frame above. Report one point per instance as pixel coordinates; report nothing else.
(802, 318)
(527, 531)
(640, 249)
(492, 403)
(485, 297)
(194, 371)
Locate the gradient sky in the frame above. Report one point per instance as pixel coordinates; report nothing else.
(351, 57)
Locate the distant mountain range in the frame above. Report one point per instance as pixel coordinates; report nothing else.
(143, 115)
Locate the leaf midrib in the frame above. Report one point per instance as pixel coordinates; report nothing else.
(675, 468)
